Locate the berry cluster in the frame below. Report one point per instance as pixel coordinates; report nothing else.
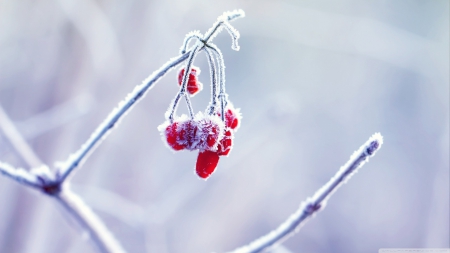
(211, 132)
(206, 133)
(207, 160)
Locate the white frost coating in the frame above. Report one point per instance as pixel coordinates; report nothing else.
(191, 35)
(223, 20)
(234, 35)
(312, 205)
(236, 111)
(43, 172)
(195, 134)
(209, 126)
(20, 175)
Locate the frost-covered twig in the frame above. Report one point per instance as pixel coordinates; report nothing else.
(214, 77)
(20, 175)
(76, 159)
(42, 179)
(205, 43)
(182, 91)
(54, 184)
(105, 127)
(317, 202)
(221, 76)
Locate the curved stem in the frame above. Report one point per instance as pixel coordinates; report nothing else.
(192, 35)
(224, 18)
(214, 77)
(182, 91)
(222, 94)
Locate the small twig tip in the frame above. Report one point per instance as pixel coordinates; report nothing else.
(232, 15)
(375, 142)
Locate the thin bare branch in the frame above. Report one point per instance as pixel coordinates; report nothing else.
(20, 175)
(76, 159)
(214, 76)
(312, 205)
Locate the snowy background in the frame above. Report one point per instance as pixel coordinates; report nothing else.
(314, 79)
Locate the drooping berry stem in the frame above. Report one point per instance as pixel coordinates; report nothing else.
(214, 77)
(202, 44)
(223, 97)
(182, 91)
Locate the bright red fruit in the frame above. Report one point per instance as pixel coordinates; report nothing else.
(206, 163)
(172, 137)
(210, 131)
(193, 85)
(225, 144)
(188, 134)
(232, 118)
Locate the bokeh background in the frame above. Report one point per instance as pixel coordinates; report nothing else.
(314, 79)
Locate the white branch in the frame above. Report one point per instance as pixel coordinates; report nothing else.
(312, 205)
(54, 185)
(76, 159)
(113, 118)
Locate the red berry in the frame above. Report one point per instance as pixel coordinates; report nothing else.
(188, 134)
(193, 85)
(225, 144)
(232, 118)
(210, 129)
(171, 133)
(206, 163)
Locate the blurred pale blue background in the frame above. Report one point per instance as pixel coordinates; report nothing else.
(314, 80)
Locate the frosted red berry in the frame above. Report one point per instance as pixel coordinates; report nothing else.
(232, 118)
(206, 163)
(210, 131)
(225, 144)
(172, 137)
(193, 85)
(188, 134)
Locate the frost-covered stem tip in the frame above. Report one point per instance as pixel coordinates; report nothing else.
(105, 127)
(222, 21)
(312, 205)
